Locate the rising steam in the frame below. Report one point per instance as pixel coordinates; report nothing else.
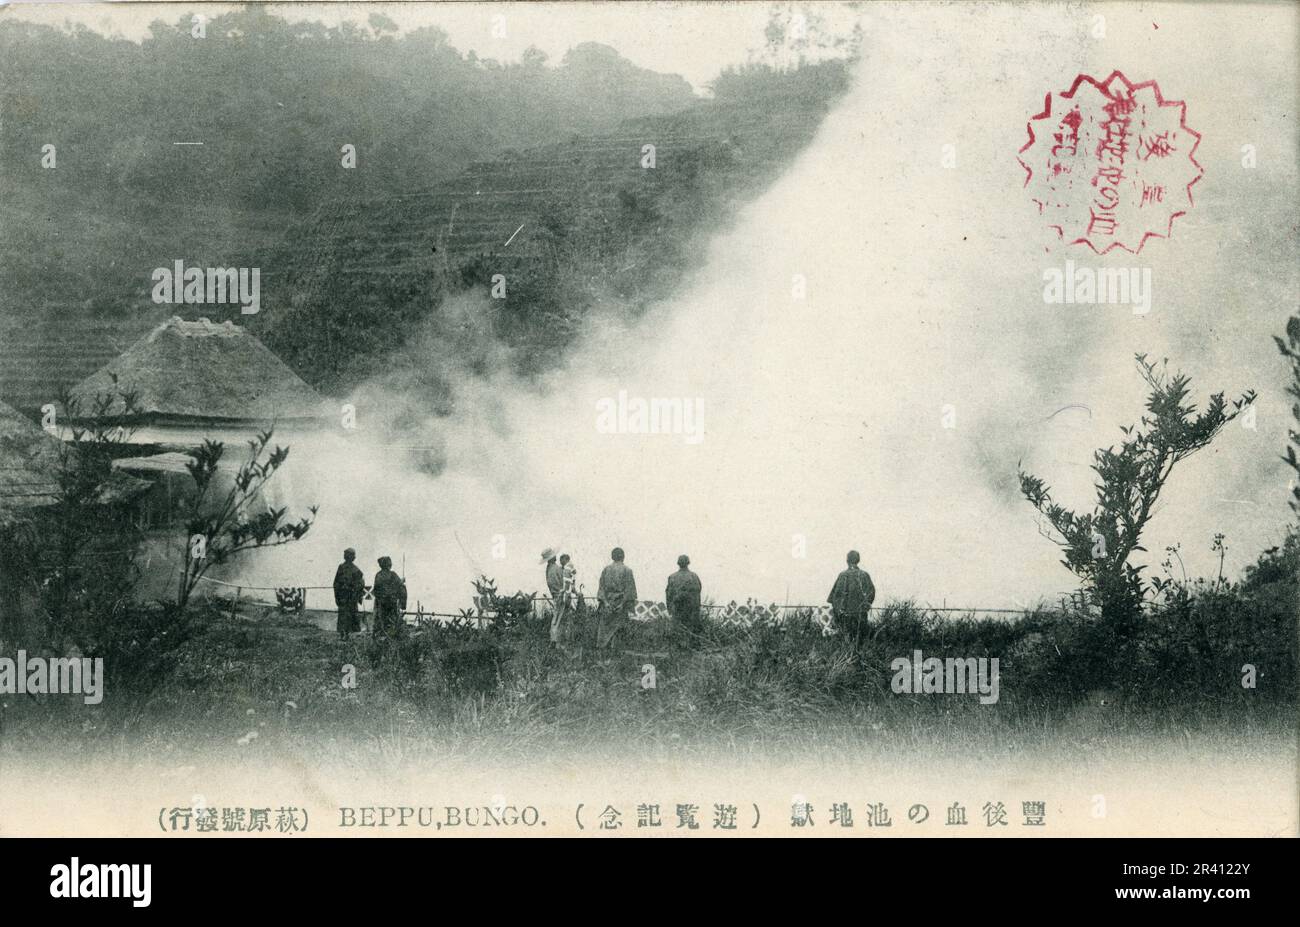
(824, 415)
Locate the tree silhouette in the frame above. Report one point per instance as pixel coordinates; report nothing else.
(217, 532)
(1097, 544)
(1291, 351)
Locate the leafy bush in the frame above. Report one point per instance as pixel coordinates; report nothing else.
(1096, 545)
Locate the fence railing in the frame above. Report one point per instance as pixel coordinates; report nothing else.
(295, 598)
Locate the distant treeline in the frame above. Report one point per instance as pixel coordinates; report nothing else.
(270, 99)
(273, 103)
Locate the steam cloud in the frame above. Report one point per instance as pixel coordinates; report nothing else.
(823, 416)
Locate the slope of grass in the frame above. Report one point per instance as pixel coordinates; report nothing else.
(263, 681)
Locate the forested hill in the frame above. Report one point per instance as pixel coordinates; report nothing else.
(560, 229)
(273, 103)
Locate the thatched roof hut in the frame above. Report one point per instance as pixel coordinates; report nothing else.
(197, 379)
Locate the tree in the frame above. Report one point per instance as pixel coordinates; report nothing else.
(74, 553)
(220, 527)
(533, 58)
(794, 35)
(382, 24)
(1291, 351)
(1098, 544)
(84, 552)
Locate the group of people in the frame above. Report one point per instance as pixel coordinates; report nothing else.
(616, 597)
(388, 590)
(850, 599)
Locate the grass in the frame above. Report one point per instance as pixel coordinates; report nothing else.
(268, 684)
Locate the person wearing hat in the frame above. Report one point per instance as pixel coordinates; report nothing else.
(616, 594)
(683, 597)
(349, 590)
(555, 586)
(851, 599)
(390, 600)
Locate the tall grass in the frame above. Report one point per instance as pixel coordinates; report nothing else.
(460, 689)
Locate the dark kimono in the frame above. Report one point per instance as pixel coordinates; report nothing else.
(617, 595)
(349, 590)
(851, 599)
(683, 599)
(390, 603)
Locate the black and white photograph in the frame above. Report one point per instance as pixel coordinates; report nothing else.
(681, 420)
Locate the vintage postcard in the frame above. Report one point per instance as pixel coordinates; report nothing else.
(648, 420)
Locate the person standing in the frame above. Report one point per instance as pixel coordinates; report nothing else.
(851, 599)
(555, 586)
(570, 589)
(568, 600)
(683, 598)
(389, 591)
(349, 590)
(616, 596)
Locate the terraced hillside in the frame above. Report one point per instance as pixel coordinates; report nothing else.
(479, 213)
(118, 156)
(69, 307)
(40, 356)
(568, 224)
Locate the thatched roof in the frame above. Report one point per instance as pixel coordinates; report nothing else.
(202, 371)
(29, 465)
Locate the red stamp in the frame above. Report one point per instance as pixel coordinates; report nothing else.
(1111, 163)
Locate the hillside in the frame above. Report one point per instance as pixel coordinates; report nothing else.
(80, 236)
(571, 225)
(467, 168)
